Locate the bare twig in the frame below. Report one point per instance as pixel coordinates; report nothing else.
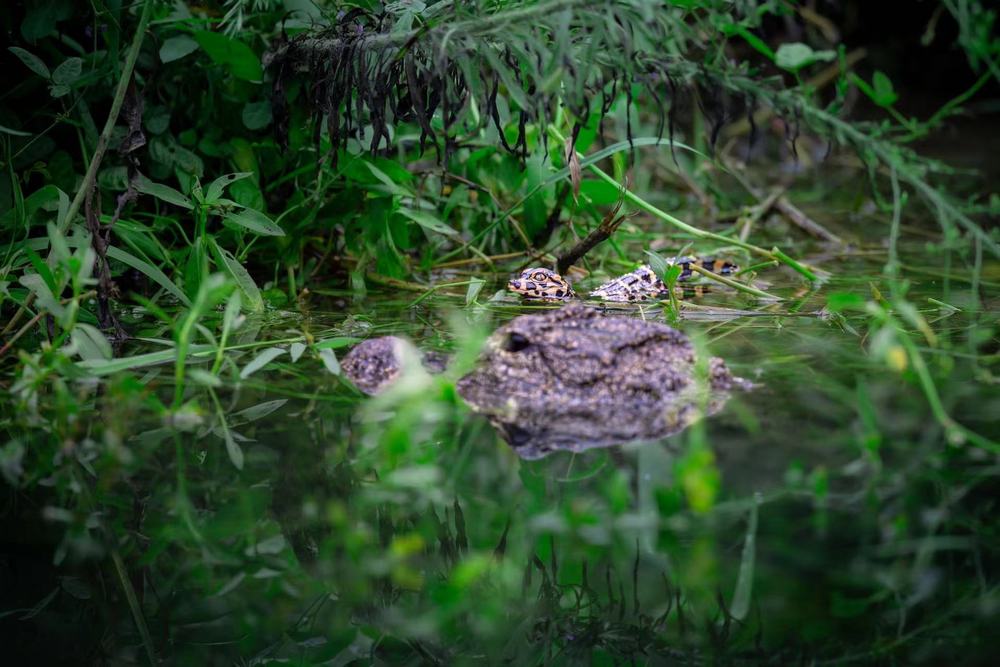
(602, 232)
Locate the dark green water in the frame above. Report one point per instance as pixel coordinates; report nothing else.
(823, 516)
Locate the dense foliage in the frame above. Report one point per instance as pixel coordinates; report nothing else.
(196, 196)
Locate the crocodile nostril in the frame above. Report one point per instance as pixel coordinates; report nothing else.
(516, 342)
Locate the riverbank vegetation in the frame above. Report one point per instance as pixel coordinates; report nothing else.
(203, 205)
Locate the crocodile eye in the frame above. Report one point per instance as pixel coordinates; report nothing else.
(516, 342)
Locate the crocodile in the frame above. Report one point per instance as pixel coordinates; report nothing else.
(574, 378)
(640, 285)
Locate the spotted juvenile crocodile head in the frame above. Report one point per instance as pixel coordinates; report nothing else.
(541, 284)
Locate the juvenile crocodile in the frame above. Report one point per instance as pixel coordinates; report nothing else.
(574, 378)
(640, 285)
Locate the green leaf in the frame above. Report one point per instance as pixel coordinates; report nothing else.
(259, 411)
(204, 378)
(257, 115)
(232, 448)
(68, 71)
(162, 192)
(885, 95)
(110, 366)
(255, 221)
(393, 187)
(475, 287)
(261, 360)
(840, 301)
(428, 222)
(59, 90)
(90, 343)
(796, 55)
(659, 265)
(251, 292)
(42, 16)
(218, 186)
(176, 48)
(740, 605)
(236, 56)
(329, 360)
(16, 133)
(31, 61)
(335, 343)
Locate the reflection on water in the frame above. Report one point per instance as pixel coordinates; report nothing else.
(822, 514)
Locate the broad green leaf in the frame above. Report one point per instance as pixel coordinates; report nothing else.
(42, 16)
(329, 360)
(795, 56)
(226, 260)
(90, 343)
(296, 350)
(162, 192)
(68, 71)
(257, 115)
(255, 221)
(31, 61)
(59, 90)
(261, 360)
(428, 222)
(218, 186)
(239, 58)
(176, 48)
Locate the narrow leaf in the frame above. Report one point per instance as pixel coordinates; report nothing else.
(226, 260)
(255, 221)
(261, 360)
(218, 186)
(428, 221)
(162, 192)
